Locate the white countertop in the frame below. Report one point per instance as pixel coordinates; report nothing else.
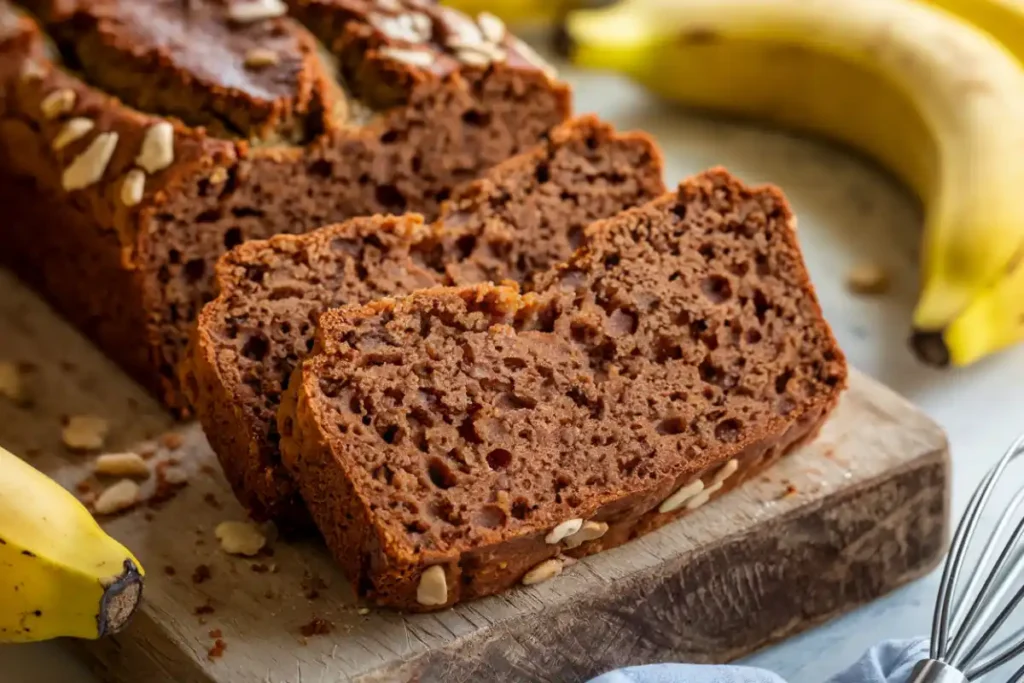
(849, 211)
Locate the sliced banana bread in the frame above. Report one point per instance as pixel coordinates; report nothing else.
(457, 441)
(523, 216)
(142, 139)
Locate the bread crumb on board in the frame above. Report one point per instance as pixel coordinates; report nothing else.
(201, 574)
(317, 626)
(312, 584)
(217, 650)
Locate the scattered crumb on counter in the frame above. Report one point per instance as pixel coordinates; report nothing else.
(204, 609)
(317, 626)
(259, 568)
(215, 633)
(363, 611)
(172, 441)
(867, 279)
(201, 574)
(212, 501)
(217, 650)
(789, 492)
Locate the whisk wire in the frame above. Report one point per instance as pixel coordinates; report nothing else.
(961, 541)
(986, 555)
(972, 608)
(1002, 577)
(998, 658)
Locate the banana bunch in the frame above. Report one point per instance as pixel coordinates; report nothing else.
(60, 574)
(925, 92)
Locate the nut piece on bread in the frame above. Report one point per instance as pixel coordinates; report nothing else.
(464, 426)
(146, 139)
(525, 215)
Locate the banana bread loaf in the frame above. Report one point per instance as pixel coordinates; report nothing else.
(523, 216)
(150, 136)
(458, 441)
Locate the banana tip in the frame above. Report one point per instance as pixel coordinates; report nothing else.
(120, 600)
(930, 347)
(561, 40)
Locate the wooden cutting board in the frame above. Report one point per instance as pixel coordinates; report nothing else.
(859, 512)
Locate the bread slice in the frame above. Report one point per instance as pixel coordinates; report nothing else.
(457, 441)
(523, 216)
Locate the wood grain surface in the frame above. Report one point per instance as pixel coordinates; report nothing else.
(859, 512)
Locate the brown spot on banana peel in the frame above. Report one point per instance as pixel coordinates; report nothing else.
(121, 597)
(700, 36)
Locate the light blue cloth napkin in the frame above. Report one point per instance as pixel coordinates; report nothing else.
(890, 662)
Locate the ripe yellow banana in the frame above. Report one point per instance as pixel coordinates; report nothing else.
(1004, 19)
(60, 574)
(934, 99)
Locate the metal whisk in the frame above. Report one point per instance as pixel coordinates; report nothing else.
(963, 626)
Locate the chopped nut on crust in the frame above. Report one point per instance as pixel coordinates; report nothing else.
(249, 11)
(85, 432)
(240, 538)
(89, 166)
(548, 569)
(261, 57)
(588, 532)
(433, 587)
(58, 103)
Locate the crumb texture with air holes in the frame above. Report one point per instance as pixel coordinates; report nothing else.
(464, 425)
(525, 215)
